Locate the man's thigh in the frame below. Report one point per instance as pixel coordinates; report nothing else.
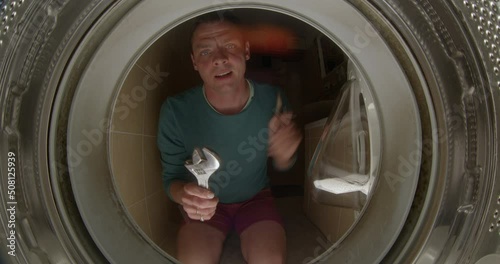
(259, 208)
(261, 230)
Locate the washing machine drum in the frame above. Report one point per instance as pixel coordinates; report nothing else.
(429, 72)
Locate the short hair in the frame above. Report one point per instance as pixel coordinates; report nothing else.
(214, 17)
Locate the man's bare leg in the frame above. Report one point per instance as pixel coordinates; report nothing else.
(264, 242)
(199, 243)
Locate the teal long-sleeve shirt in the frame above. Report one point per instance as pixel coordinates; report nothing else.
(240, 140)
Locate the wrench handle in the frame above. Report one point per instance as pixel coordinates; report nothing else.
(203, 180)
(203, 183)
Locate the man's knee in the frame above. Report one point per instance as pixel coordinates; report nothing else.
(268, 257)
(264, 242)
(199, 243)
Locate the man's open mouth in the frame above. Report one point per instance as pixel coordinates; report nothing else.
(223, 75)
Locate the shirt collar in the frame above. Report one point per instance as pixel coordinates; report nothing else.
(250, 87)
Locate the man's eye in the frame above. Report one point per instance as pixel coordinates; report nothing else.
(230, 46)
(204, 53)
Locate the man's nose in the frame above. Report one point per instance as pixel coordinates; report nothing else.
(220, 57)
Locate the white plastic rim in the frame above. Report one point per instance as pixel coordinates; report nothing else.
(391, 92)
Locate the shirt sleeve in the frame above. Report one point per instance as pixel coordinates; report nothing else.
(171, 146)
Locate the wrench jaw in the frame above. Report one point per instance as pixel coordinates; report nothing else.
(197, 156)
(203, 164)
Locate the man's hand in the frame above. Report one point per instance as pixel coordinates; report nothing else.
(284, 139)
(196, 201)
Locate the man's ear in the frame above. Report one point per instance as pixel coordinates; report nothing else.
(247, 50)
(194, 63)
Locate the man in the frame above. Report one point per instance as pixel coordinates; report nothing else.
(235, 118)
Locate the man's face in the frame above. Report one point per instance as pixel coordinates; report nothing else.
(219, 55)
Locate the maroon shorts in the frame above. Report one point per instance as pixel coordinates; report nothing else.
(242, 215)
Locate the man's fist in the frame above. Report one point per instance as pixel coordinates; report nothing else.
(199, 203)
(284, 139)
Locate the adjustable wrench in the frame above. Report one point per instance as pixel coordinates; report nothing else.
(202, 165)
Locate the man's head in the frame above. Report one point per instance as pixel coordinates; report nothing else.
(219, 52)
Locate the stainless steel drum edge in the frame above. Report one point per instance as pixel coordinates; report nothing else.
(78, 54)
(28, 82)
(458, 219)
(482, 22)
